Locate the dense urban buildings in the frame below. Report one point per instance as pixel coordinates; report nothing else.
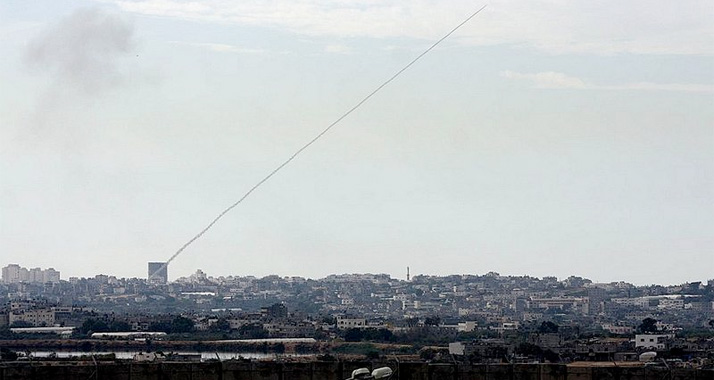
(480, 316)
(499, 303)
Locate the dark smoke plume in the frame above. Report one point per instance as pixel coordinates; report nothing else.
(82, 50)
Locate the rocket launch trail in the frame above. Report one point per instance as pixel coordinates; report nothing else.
(312, 141)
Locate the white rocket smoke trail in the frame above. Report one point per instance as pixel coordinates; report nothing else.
(314, 139)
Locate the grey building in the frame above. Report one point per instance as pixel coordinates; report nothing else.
(162, 276)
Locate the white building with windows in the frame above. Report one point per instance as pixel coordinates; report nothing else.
(671, 304)
(652, 341)
(14, 273)
(351, 323)
(35, 317)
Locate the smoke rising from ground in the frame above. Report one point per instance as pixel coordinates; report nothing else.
(83, 50)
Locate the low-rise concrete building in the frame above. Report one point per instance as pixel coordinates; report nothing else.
(34, 317)
(351, 323)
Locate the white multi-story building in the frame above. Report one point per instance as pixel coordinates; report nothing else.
(581, 304)
(34, 313)
(616, 329)
(506, 326)
(51, 275)
(467, 326)
(643, 302)
(671, 303)
(35, 317)
(652, 341)
(14, 273)
(351, 323)
(35, 275)
(347, 301)
(11, 274)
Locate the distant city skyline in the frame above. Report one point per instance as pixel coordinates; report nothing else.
(12, 274)
(541, 139)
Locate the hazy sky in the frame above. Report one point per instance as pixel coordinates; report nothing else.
(544, 138)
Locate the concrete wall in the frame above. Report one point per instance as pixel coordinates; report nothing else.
(232, 370)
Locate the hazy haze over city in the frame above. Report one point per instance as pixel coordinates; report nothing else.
(543, 138)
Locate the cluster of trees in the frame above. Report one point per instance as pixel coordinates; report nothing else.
(374, 335)
(21, 324)
(6, 333)
(428, 321)
(548, 327)
(178, 325)
(246, 331)
(533, 350)
(94, 325)
(252, 331)
(648, 325)
(8, 355)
